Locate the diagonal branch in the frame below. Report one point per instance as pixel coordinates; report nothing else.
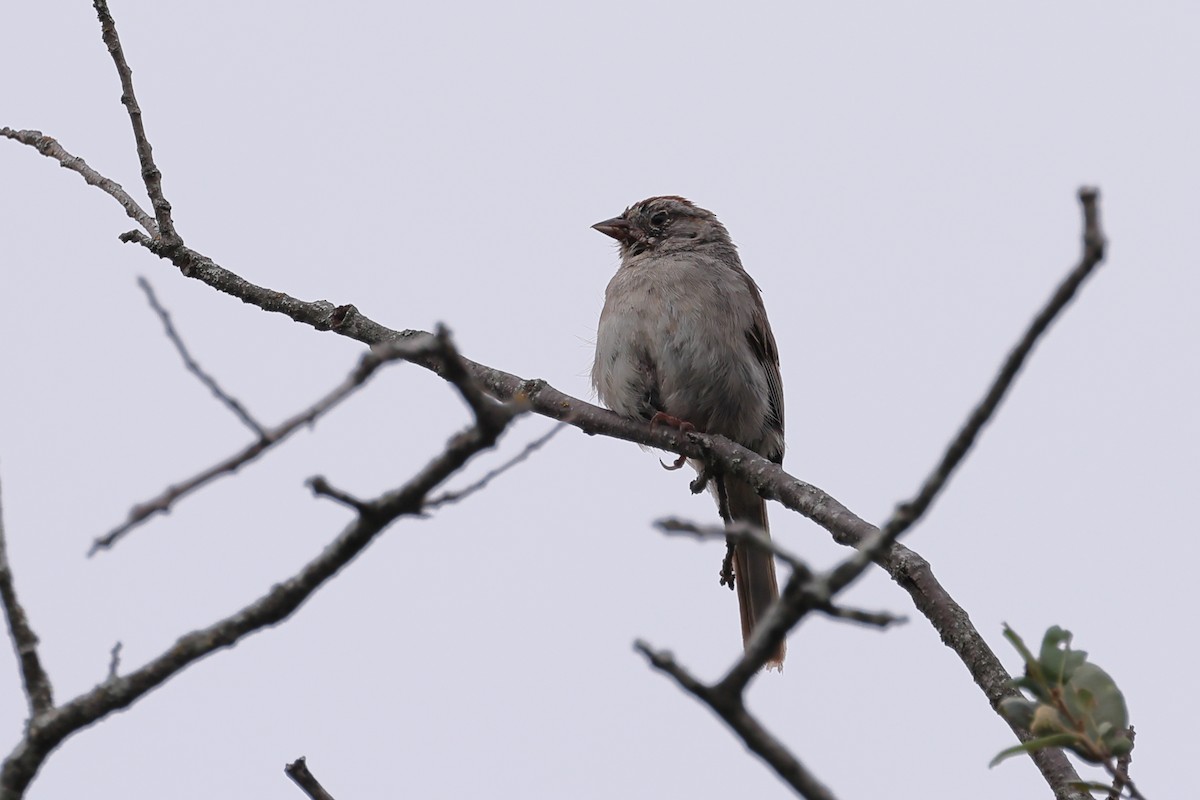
(806, 592)
(49, 147)
(529, 449)
(731, 709)
(370, 361)
(38, 691)
(150, 173)
(193, 367)
(907, 514)
(48, 729)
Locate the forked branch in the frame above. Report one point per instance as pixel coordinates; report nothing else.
(49, 725)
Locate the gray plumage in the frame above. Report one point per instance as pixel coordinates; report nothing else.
(684, 333)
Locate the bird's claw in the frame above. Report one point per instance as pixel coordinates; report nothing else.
(682, 425)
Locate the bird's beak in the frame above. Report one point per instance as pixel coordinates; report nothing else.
(617, 227)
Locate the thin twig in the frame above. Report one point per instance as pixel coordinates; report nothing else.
(299, 773)
(114, 661)
(322, 488)
(467, 491)
(49, 147)
(368, 363)
(38, 692)
(737, 532)
(193, 367)
(872, 619)
(150, 173)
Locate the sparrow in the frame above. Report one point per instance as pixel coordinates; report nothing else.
(684, 340)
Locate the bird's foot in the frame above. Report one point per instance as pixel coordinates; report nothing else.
(682, 425)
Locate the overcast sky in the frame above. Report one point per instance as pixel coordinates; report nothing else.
(901, 181)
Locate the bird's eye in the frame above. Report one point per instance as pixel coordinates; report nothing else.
(659, 218)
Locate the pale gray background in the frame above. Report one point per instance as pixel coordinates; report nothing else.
(901, 180)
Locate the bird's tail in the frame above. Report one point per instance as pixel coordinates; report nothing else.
(753, 567)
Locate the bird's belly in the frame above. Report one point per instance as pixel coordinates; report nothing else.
(704, 378)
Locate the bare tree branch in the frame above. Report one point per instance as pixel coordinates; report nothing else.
(907, 514)
(460, 494)
(370, 361)
(193, 367)
(737, 533)
(753, 536)
(299, 773)
(50, 148)
(48, 729)
(730, 708)
(150, 173)
(871, 619)
(34, 679)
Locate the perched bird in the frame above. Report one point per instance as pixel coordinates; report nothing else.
(684, 340)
